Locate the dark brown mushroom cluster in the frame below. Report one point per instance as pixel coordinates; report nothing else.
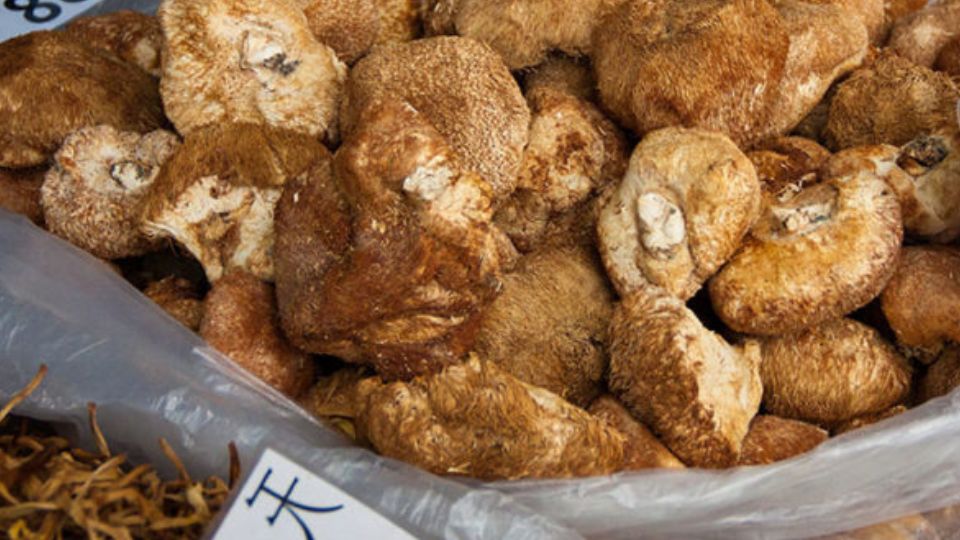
(523, 239)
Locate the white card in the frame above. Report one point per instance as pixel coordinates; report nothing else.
(22, 16)
(281, 500)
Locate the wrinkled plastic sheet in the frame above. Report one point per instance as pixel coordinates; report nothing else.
(104, 342)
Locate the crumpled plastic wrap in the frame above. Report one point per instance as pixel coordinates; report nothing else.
(106, 343)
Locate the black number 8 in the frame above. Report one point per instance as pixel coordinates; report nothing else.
(48, 11)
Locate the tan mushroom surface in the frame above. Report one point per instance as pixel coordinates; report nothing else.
(642, 450)
(388, 257)
(349, 27)
(891, 101)
(250, 61)
(818, 255)
(133, 36)
(831, 373)
(927, 187)
(919, 36)
(179, 298)
(866, 420)
(216, 195)
(773, 439)
(240, 320)
(462, 88)
(522, 32)
(548, 326)
(566, 74)
(574, 152)
(697, 392)
(688, 198)
(94, 193)
(474, 419)
(52, 84)
(20, 192)
(922, 300)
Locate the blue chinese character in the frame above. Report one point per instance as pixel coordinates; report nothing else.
(286, 503)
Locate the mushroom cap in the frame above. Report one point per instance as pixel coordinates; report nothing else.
(462, 88)
(179, 298)
(335, 395)
(922, 300)
(866, 420)
(927, 186)
(891, 101)
(833, 372)
(819, 255)
(688, 198)
(786, 165)
(772, 439)
(642, 450)
(695, 391)
(548, 327)
(948, 60)
(574, 152)
(52, 84)
(216, 195)
(240, 320)
(133, 36)
(920, 35)
(388, 257)
(570, 75)
(247, 61)
(20, 192)
(826, 42)
(662, 64)
(870, 13)
(524, 32)
(94, 193)
(906, 528)
(349, 27)
(942, 376)
(399, 20)
(475, 419)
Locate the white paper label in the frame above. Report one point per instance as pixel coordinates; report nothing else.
(22, 16)
(281, 500)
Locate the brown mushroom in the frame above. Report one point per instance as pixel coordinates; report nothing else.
(569, 75)
(133, 36)
(891, 101)
(399, 20)
(389, 258)
(216, 195)
(922, 300)
(786, 165)
(926, 183)
(831, 373)
(573, 153)
(474, 419)
(247, 61)
(462, 88)
(335, 395)
(666, 64)
(773, 439)
(948, 59)
(240, 320)
(943, 376)
(179, 298)
(817, 255)
(94, 193)
(548, 327)
(866, 419)
(51, 84)
(20, 192)
(921, 35)
(349, 27)
(695, 391)
(688, 198)
(522, 32)
(642, 450)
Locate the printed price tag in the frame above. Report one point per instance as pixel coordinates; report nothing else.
(22, 16)
(281, 500)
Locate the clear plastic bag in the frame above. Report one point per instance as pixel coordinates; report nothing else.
(106, 343)
(152, 378)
